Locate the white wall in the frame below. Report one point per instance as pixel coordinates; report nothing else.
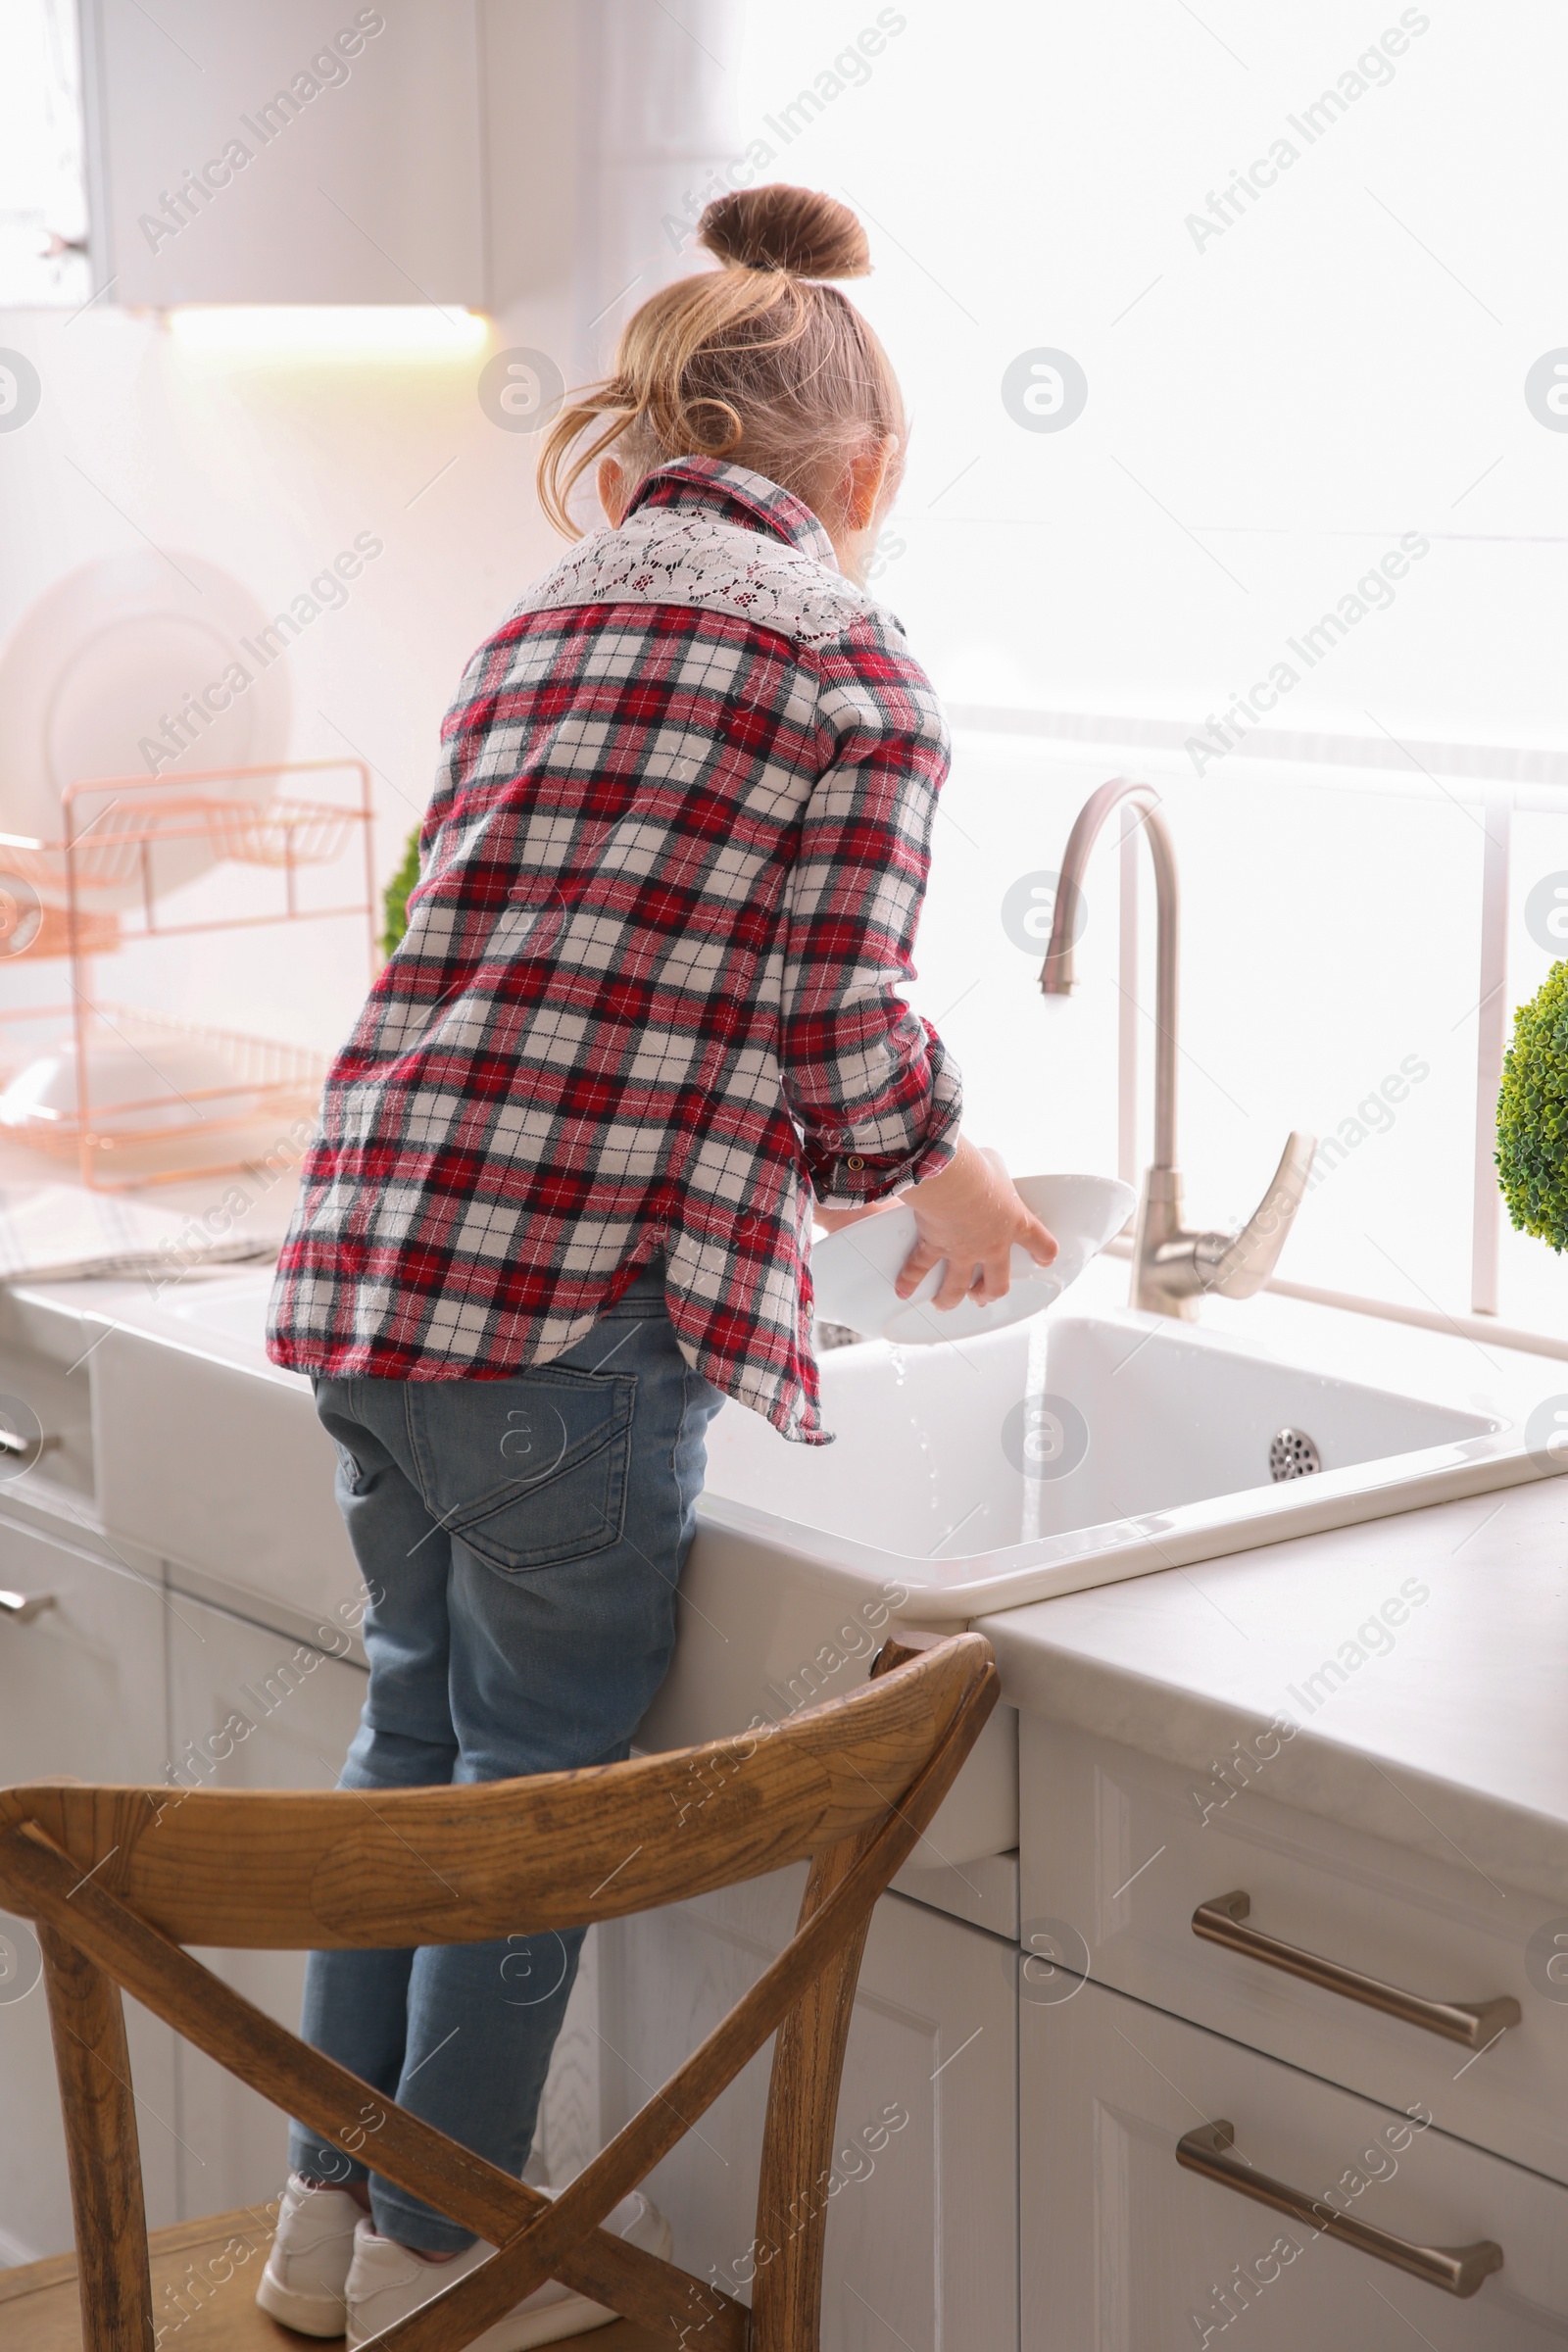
(1272, 410)
(1269, 409)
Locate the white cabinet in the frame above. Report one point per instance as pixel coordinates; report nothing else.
(922, 2235)
(249, 1708)
(1120, 1848)
(1126, 2252)
(81, 1683)
(286, 154)
(81, 1695)
(126, 1678)
(258, 1515)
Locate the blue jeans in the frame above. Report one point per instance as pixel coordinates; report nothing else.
(521, 1540)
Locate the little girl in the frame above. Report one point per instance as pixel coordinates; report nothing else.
(643, 1024)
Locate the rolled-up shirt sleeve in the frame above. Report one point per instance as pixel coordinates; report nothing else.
(871, 1088)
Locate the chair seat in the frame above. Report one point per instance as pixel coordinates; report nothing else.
(204, 2295)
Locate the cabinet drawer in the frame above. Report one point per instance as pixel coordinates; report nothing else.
(1120, 1849)
(81, 1695)
(1124, 2250)
(248, 1709)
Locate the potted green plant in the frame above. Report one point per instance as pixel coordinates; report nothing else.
(395, 899)
(1533, 1114)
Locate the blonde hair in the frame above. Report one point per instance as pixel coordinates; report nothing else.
(759, 362)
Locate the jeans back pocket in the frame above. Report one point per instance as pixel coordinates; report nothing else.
(529, 1471)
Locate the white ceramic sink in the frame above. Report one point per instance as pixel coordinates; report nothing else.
(1091, 1445)
(1048, 1456)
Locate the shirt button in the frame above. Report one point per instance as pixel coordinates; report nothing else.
(855, 1164)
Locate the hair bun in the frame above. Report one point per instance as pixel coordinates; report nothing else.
(780, 228)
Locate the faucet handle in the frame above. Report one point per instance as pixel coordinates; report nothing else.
(1238, 1265)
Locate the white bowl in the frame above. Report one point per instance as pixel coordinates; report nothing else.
(853, 1270)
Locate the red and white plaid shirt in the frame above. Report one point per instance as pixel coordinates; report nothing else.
(672, 873)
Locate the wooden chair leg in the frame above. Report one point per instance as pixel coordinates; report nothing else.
(88, 2026)
(803, 2105)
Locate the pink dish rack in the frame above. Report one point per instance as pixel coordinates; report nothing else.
(92, 894)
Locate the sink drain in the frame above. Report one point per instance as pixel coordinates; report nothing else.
(1292, 1455)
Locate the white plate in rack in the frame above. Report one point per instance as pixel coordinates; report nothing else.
(97, 664)
(167, 1082)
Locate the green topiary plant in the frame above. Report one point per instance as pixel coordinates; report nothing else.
(395, 901)
(1533, 1114)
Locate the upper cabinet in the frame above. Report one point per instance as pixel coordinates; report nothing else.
(285, 153)
(471, 153)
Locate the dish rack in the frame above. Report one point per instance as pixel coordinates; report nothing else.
(96, 892)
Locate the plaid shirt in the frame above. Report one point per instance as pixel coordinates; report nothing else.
(670, 876)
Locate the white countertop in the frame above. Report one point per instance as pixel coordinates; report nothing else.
(1451, 1738)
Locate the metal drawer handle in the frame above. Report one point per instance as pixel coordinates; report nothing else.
(22, 1607)
(12, 1441)
(1457, 2270)
(1474, 2022)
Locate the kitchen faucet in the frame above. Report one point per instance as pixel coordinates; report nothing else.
(1172, 1268)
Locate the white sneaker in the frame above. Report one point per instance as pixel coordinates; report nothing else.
(308, 2265)
(387, 2283)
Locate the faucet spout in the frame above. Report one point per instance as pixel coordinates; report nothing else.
(1057, 978)
(1173, 1267)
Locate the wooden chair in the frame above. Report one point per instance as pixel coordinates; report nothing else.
(118, 1880)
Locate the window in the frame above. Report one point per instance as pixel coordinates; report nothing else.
(1222, 336)
(43, 205)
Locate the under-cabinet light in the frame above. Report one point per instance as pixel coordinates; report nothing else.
(332, 331)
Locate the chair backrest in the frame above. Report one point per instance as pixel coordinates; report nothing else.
(118, 1880)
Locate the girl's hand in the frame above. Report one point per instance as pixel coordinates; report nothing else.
(970, 1215)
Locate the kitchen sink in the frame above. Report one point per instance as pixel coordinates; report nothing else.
(1079, 1448)
(1092, 1443)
